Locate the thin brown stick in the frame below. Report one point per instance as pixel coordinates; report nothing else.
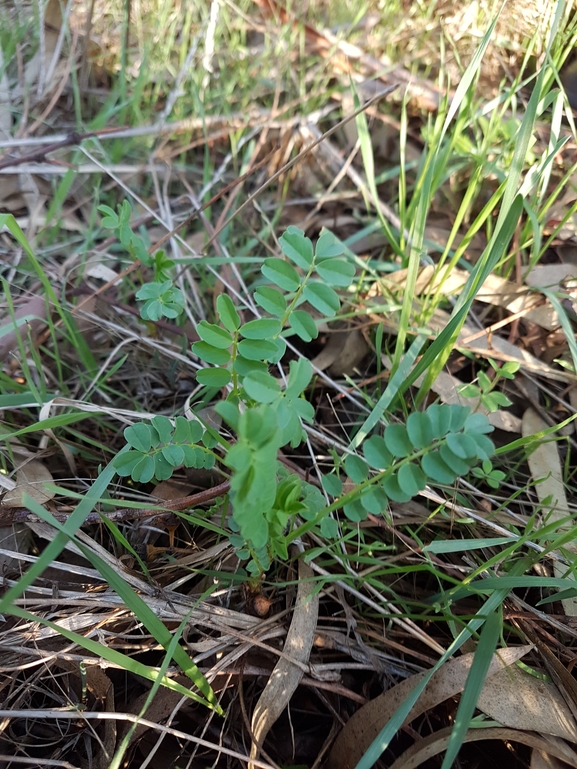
(10, 515)
(301, 155)
(40, 154)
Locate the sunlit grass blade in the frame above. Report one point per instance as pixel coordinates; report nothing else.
(434, 166)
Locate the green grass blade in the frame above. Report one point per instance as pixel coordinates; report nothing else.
(434, 168)
(381, 742)
(133, 601)
(110, 655)
(475, 681)
(390, 393)
(55, 547)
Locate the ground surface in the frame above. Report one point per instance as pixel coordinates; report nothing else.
(256, 594)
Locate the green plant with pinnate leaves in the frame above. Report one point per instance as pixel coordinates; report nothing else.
(271, 506)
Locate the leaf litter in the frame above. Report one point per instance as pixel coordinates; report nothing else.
(370, 650)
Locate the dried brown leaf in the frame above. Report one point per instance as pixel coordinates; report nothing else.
(364, 726)
(546, 470)
(28, 318)
(519, 700)
(31, 479)
(437, 742)
(342, 353)
(286, 676)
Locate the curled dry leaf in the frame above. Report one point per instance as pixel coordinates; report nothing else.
(342, 353)
(517, 699)
(28, 319)
(547, 473)
(364, 726)
(437, 742)
(31, 479)
(286, 676)
(541, 760)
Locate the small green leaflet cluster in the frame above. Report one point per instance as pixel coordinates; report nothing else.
(238, 350)
(158, 447)
(264, 495)
(161, 298)
(491, 399)
(435, 446)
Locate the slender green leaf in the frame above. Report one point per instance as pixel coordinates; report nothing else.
(473, 685)
(463, 545)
